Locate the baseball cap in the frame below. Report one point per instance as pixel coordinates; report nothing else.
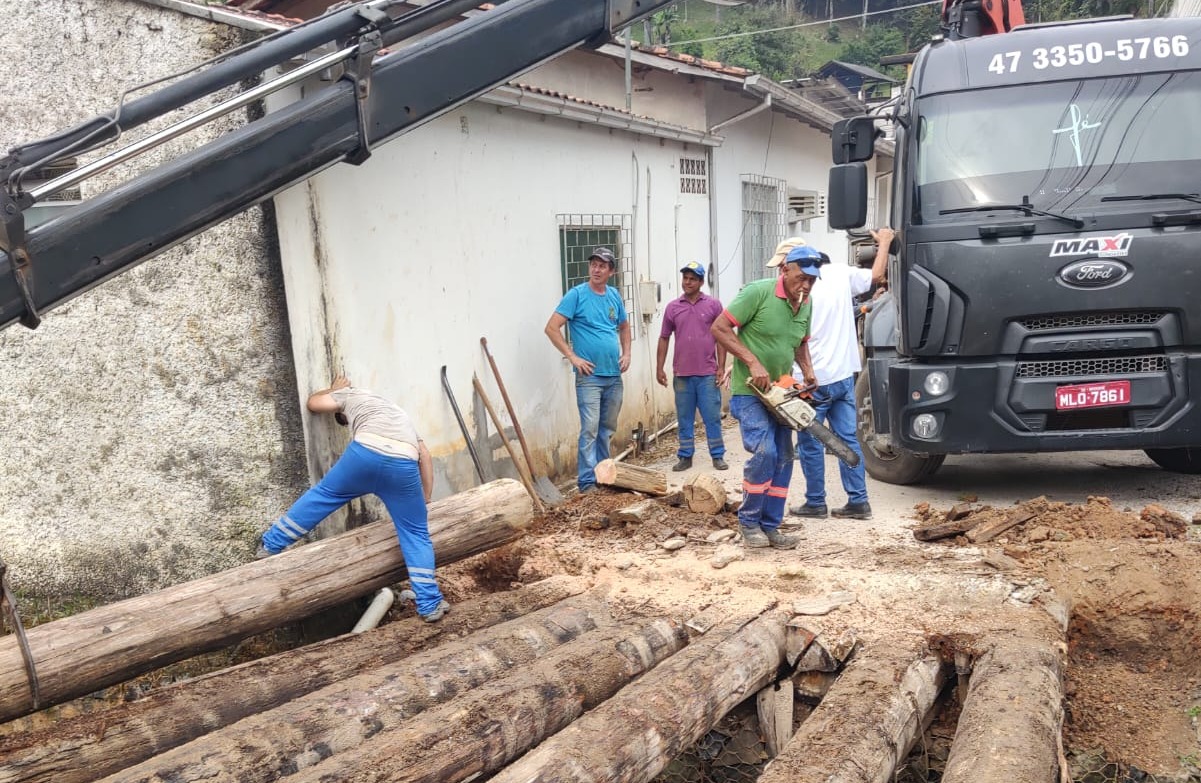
(808, 258)
(604, 254)
(782, 250)
(694, 267)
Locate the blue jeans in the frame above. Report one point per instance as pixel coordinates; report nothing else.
(693, 392)
(397, 482)
(599, 400)
(834, 404)
(766, 475)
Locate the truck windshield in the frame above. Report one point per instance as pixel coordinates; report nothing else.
(1066, 145)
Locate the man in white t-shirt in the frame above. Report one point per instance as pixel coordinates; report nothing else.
(834, 352)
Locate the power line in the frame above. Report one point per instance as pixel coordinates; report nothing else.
(804, 24)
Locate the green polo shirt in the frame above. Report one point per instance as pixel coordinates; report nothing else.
(768, 327)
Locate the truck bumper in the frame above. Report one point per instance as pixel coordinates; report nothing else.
(1010, 406)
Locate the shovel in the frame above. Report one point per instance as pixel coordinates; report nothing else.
(547, 492)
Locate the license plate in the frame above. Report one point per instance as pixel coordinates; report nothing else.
(1092, 395)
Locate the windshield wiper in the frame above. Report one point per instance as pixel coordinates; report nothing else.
(1025, 206)
(1193, 197)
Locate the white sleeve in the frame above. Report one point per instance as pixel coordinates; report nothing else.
(861, 281)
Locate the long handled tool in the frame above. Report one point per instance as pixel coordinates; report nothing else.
(521, 469)
(546, 490)
(454, 406)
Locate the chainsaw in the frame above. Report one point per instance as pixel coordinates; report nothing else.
(786, 400)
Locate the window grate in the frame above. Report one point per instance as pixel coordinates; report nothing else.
(694, 176)
(805, 205)
(1076, 368)
(763, 226)
(1077, 320)
(580, 234)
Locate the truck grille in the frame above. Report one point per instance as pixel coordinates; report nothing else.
(1073, 368)
(1077, 320)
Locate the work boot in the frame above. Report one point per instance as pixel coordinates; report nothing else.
(720, 464)
(781, 540)
(854, 511)
(439, 612)
(263, 553)
(684, 464)
(809, 510)
(754, 537)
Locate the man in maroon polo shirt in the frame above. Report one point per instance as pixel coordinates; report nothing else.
(698, 366)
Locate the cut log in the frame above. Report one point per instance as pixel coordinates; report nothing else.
(635, 734)
(113, 643)
(773, 705)
(828, 652)
(489, 727)
(619, 474)
(639, 513)
(90, 746)
(865, 725)
(277, 742)
(1010, 723)
(705, 494)
(987, 531)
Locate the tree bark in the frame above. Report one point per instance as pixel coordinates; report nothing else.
(109, 644)
(987, 531)
(278, 742)
(90, 746)
(494, 724)
(619, 474)
(705, 494)
(865, 725)
(635, 734)
(1011, 720)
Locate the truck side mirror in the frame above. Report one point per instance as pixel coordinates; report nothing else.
(853, 140)
(847, 195)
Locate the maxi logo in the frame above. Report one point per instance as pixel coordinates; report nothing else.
(1101, 247)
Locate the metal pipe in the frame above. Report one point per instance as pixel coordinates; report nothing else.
(765, 104)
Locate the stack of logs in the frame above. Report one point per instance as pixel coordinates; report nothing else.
(703, 493)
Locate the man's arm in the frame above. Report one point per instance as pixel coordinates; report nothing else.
(554, 332)
(623, 336)
(425, 464)
(805, 362)
(883, 237)
(660, 358)
(322, 402)
(723, 331)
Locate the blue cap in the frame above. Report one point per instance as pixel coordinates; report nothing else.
(694, 267)
(808, 258)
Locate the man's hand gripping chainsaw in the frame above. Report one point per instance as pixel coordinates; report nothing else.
(786, 400)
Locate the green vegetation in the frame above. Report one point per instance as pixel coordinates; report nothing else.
(750, 35)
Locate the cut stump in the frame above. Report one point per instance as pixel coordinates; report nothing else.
(705, 494)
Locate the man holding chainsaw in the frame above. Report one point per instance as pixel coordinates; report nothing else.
(772, 321)
(834, 351)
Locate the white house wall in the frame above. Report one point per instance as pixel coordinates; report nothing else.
(449, 234)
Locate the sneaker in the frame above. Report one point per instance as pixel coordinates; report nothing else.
(809, 510)
(720, 464)
(780, 540)
(854, 511)
(263, 553)
(439, 612)
(684, 464)
(754, 537)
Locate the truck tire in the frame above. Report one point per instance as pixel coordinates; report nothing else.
(1182, 460)
(895, 466)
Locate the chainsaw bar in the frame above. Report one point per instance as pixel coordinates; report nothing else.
(834, 443)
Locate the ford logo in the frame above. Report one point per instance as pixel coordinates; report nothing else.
(1094, 273)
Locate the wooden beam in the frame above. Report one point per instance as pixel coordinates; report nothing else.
(618, 474)
(91, 650)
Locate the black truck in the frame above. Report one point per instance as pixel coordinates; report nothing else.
(1045, 293)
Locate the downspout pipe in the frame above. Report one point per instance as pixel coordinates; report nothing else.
(762, 106)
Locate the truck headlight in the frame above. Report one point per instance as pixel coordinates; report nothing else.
(925, 426)
(937, 383)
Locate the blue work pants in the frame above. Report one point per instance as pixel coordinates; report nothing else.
(695, 392)
(767, 473)
(834, 405)
(599, 400)
(394, 480)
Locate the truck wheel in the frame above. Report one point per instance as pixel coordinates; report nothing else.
(894, 465)
(1183, 460)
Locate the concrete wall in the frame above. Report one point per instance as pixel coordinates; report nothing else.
(149, 427)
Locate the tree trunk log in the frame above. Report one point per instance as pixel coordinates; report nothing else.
(865, 725)
(639, 513)
(278, 742)
(494, 724)
(1011, 720)
(635, 734)
(90, 746)
(109, 644)
(619, 474)
(705, 494)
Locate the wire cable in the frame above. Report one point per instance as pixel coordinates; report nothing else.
(803, 24)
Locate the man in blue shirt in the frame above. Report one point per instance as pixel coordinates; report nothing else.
(599, 353)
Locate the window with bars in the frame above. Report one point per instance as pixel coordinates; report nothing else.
(579, 235)
(764, 210)
(694, 176)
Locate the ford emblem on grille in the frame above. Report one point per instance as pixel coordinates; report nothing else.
(1094, 273)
